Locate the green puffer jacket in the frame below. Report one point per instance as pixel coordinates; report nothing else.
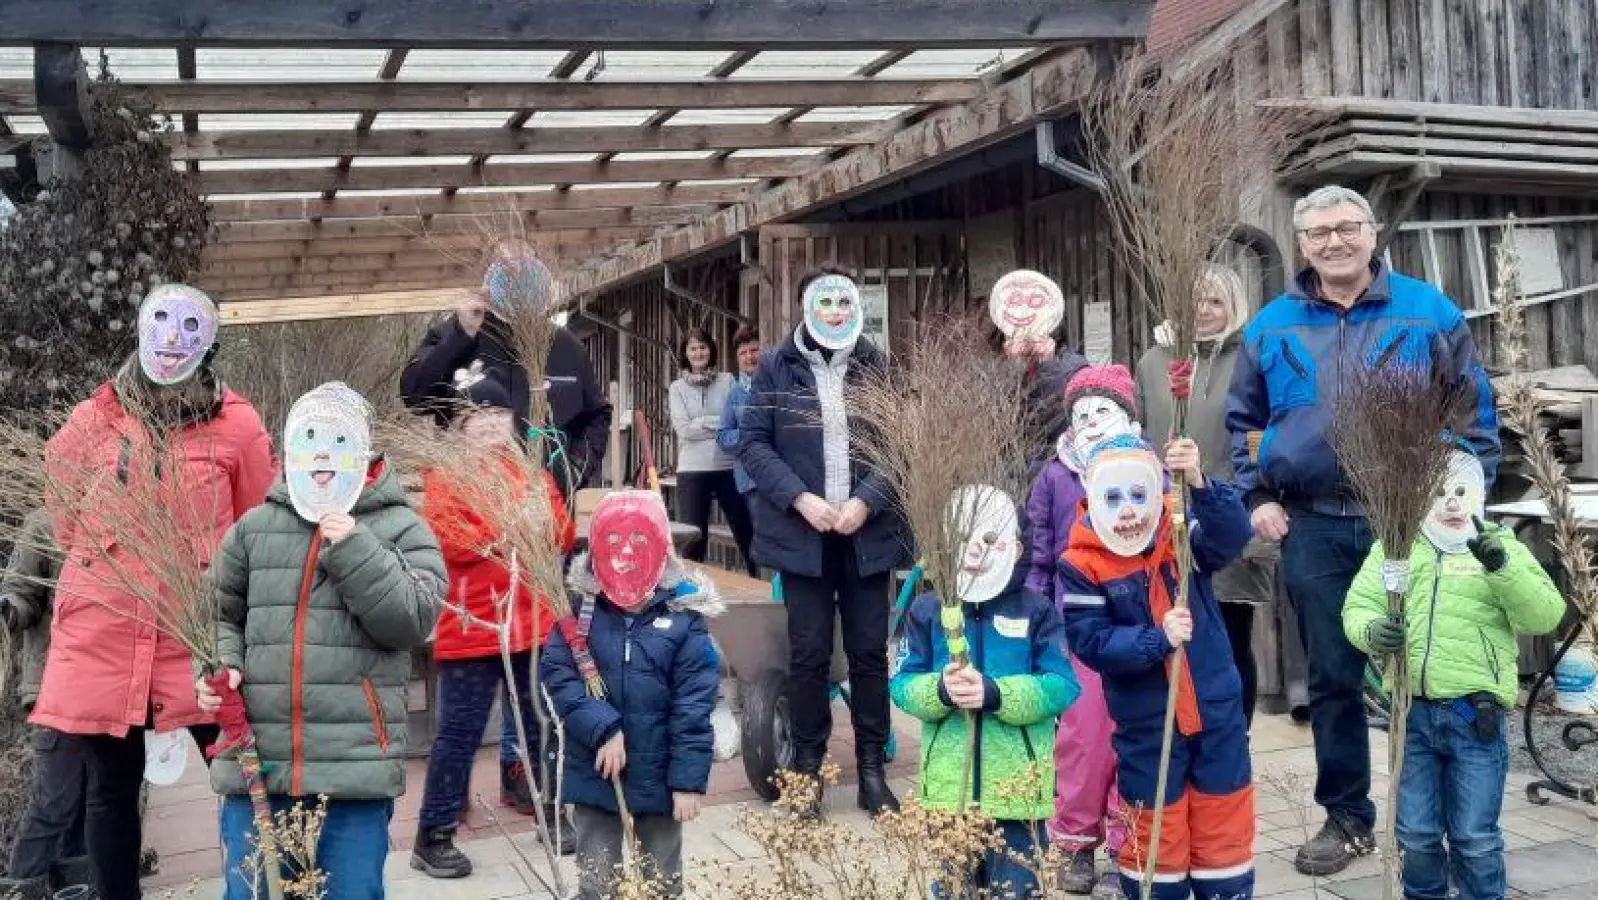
(323, 635)
(1460, 620)
(1016, 641)
(28, 583)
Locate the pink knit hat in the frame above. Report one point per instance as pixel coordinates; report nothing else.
(1113, 382)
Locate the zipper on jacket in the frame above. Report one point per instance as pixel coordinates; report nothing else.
(1490, 651)
(1387, 354)
(932, 743)
(374, 705)
(1431, 622)
(979, 660)
(1342, 349)
(1293, 360)
(297, 667)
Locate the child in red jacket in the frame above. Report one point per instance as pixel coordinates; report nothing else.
(470, 668)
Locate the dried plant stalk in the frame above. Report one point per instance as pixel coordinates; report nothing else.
(950, 415)
(1391, 429)
(1177, 153)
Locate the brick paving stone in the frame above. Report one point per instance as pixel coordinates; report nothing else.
(1552, 866)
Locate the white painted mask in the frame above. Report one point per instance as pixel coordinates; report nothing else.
(1026, 304)
(833, 312)
(1095, 419)
(327, 447)
(1125, 486)
(1463, 494)
(983, 519)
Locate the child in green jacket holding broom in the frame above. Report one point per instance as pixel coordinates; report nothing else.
(1014, 686)
(1472, 589)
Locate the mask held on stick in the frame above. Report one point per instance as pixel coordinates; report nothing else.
(327, 446)
(983, 519)
(1126, 494)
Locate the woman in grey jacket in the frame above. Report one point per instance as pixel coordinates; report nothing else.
(704, 470)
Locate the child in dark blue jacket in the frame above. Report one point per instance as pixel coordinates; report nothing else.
(1118, 589)
(641, 630)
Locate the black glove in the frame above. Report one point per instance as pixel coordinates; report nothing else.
(1385, 635)
(1487, 547)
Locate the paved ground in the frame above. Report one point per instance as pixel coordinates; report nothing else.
(1553, 850)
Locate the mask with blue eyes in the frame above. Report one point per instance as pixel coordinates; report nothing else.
(1126, 498)
(327, 446)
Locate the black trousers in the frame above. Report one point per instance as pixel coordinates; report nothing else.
(695, 491)
(115, 769)
(1239, 621)
(862, 604)
(52, 828)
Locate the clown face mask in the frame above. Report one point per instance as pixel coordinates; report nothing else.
(1095, 419)
(1125, 498)
(1463, 494)
(327, 445)
(1026, 304)
(518, 282)
(630, 540)
(177, 327)
(983, 519)
(833, 313)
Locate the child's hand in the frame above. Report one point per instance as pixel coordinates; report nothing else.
(336, 527)
(964, 685)
(611, 758)
(1182, 456)
(1487, 547)
(1385, 635)
(684, 806)
(210, 701)
(1178, 625)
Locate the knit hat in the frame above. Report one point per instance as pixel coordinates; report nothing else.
(480, 387)
(1113, 382)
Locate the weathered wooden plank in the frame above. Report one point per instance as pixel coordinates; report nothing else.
(1587, 273)
(395, 263)
(1492, 40)
(1580, 30)
(59, 84)
(375, 282)
(473, 141)
(1404, 43)
(1528, 56)
(1444, 112)
(1468, 132)
(1314, 50)
(1566, 313)
(1343, 39)
(1463, 51)
(1375, 49)
(16, 95)
(1555, 75)
(1281, 48)
(555, 240)
(337, 306)
(1434, 51)
(1456, 147)
(579, 24)
(223, 210)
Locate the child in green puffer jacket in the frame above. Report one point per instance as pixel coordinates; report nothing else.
(1472, 589)
(1014, 687)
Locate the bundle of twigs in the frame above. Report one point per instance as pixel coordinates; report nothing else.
(1391, 429)
(949, 415)
(149, 534)
(1179, 150)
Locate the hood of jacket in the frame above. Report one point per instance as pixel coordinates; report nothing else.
(681, 587)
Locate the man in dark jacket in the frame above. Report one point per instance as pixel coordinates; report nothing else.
(1344, 313)
(577, 405)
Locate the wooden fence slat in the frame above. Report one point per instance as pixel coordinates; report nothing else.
(1434, 40)
(1344, 37)
(1404, 54)
(1314, 39)
(1375, 38)
(1463, 40)
(1281, 49)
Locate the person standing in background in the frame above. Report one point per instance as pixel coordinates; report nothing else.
(704, 471)
(746, 345)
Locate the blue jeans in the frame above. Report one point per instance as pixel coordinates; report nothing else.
(351, 854)
(1453, 786)
(1319, 560)
(998, 869)
(466, 690)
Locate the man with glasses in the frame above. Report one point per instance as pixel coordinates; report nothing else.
(1345, 312)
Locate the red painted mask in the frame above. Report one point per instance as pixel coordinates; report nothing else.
(630, 540)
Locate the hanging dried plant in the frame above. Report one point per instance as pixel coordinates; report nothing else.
(77, 260)
(1391, 429)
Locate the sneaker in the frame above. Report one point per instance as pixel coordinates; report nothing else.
(1333, 848)
(1299, 715)
(513, 789)
(437, 856)
(1109, 886)
(1077, 873)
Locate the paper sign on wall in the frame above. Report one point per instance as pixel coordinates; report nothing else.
(874, 297)
(1097, 341)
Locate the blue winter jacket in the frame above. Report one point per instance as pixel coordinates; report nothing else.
(731, 433)
(1299, 351)
(661, 677)
(781, 449)
(1113, 631)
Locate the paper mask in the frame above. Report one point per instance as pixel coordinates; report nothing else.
(1125, 487)
(833, 312)
(983, 520)
(1463, 494)
(327, 446)
(1026, 304)
(517, 283)
(629, 541)
(166, 755)
(1094, 419)
(177, 327)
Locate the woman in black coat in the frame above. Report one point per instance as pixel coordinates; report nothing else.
(827, 524)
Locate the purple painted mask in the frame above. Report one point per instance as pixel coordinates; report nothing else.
(177, 326)
(519, 282)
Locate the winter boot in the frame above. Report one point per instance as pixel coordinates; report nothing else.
(568, 834)
(808, 764)
(1334, 847)
(875, 797)
(1077, 872)
(437, 856)
(69, 872)
(1109, 886)
(25, 888)
(513, 790)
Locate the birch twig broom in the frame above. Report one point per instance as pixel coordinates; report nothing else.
(1390, 429)
(1178, 155)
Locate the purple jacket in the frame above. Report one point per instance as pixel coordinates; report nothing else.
(1050, 512)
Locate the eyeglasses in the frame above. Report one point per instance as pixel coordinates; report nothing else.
(1345, 231)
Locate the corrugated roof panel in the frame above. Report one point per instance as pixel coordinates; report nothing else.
(653, 155)
(853, 113)
(16, 62)
(380, 162)
(235, 165)
(589, 118)
(719, 182)
(541, 158)
(429, 120)
(507, 189)
(600, 187)
(654, 65)
(286, 64)
(27, 125)
(277, 121)
(798, 64)
(135, 63)
(479, 65)
(951, 63)
(726, 116)
(389, 192)
(268, 195)
(774, 152)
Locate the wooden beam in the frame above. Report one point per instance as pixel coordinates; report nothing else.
(59, 85)
(273, 310)
(415, 226)
(410, 244)
(224, 210)
(576, 24)
(393, 62)
(253, 181)
(1048, 88)
(16, 96)
(469, 141)
(331, 265)
(438, 276)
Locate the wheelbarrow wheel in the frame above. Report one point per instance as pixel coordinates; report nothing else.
(767, 742)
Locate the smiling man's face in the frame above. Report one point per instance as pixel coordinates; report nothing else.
(1338, 241)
